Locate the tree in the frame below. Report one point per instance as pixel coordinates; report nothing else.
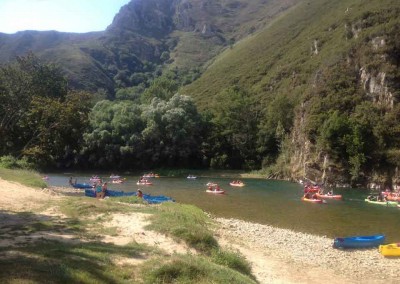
(173, 132)
(113, 138)
(235, 120)
(38, 114)
(162, 88)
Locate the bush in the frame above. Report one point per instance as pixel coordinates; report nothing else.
(10, 162)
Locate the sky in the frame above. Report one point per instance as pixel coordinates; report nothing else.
(78, 16)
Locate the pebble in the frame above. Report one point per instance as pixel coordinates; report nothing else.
(307, 248)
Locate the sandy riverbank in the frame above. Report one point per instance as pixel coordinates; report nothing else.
(277, 255)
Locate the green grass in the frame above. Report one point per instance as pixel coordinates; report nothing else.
(59, 262)
(233, 260)
(190, 269)
(187, 223)
(25, 177)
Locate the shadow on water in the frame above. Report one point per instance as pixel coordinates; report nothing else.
(275, 203)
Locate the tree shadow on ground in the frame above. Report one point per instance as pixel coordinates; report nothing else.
(34, 248)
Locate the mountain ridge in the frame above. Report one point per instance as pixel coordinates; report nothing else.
(169, 34)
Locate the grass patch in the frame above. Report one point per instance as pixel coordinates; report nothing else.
(129, 200)
(25, 177)
(190, 269)
(58, 262)
(187, 223)
(233, 260)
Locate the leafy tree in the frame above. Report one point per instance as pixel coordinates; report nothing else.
(52, 129)
(162, 88)
(40, 119)
(113, 139)
(173, 132)
(235, 120)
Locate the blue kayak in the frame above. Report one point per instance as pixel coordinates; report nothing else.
(147, 197)
(359, 241)
(82, 185)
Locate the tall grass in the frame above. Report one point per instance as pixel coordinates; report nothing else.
(190, 269)
(187, 223)
(25, 177)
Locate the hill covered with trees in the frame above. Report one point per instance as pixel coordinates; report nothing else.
(326, 77)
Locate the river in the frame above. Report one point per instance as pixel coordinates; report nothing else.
(271, 202)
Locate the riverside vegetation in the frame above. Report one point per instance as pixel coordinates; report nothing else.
(69, 244)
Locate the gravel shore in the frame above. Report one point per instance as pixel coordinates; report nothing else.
(306, 255)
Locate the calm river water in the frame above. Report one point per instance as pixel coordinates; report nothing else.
(272, 202)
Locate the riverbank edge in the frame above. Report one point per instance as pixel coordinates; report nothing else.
(309, 254)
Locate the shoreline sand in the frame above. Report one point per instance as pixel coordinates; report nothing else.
(277, 255)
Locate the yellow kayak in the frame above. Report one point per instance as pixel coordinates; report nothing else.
(390, 249)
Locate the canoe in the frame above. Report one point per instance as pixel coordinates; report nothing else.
(191, 177)
(327, 196)
(237, 184)
(151, 175)
(359, 241)
(117, 181)
(147, 197)
(82, 185)
(215, 191)
(390, 249)
(384, 203)
(144, 183)
(312, 200)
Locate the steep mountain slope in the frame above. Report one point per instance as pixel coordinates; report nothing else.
(322, 57)
(145, 37)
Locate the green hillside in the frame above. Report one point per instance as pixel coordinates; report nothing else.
(281, 59)
(145, 39)
(317, 58)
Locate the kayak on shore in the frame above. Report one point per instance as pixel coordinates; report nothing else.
(390, 249)
(81, 185)
(147, 197)
(359, 241)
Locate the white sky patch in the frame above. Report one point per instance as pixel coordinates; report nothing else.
(61, 15)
